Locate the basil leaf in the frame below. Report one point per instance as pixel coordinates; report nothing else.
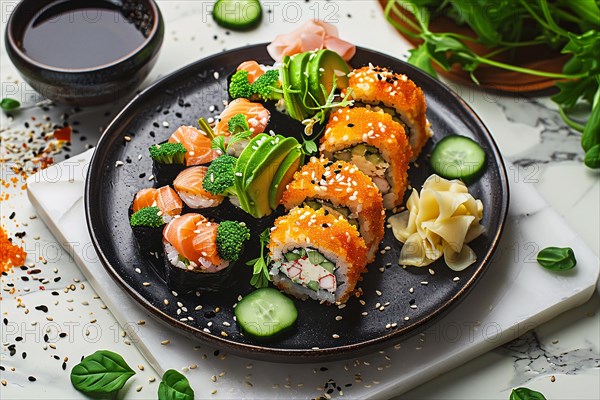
(523, 393)
(175, 386)
(557, 258)
(421, 58)
(8, 104)
(102, 372)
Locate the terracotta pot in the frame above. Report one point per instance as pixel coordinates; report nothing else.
(539, 57)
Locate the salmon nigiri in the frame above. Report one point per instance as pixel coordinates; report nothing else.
(165, 198)
(253, 68)
(188, 185)
(197, 143)
(256, 114)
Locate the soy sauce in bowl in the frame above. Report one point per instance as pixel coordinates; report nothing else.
(88, 34)
(84, 52)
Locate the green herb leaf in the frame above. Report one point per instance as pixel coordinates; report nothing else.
(309, 147)
(523, 393)
(218, 143)
(592, 157)
(557, 258)
(420, 58)
(260, 273)
(8, 104)
(175, 386)
(102, 372)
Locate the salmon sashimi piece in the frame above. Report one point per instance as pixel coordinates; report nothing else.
(188, 185)
(197, 144)
(168, 201)
(180, 234)
(165, 198)
(145, 198)
(205, 241)
(253, 68)
(256, 114)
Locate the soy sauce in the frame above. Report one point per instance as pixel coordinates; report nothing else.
(76, 34)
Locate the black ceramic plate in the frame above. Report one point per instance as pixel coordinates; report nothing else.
(189, 93)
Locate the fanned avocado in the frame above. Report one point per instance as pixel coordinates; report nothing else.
(321, 70)
(284, 175)
(292, 100)
(260, 180)
(298, 74)
(240, 167)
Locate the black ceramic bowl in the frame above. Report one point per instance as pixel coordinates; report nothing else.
(84, 86)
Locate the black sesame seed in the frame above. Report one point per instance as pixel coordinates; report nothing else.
(348, 385)
(350, 125)
(62, 334)
(11, 349)
(25, 278)
(324, 225)
(32, 379)
(209, 314)
(24, 355)
(58, 278)
(64, 365)
(411, 301)
(216, 353)
(155, 124)
(5, 321)
(323, 369)
(12, 215)
(20, 235)
(56, 357)
(2, 368)
(46, 337)
(152, 133)
(143, 175)
(55, 294)
(42, 308)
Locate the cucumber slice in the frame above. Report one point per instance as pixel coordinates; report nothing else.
(265, 313)
(329, 266)
(315, 257)
(313, 285)
(238, 15)
(458, 157)
(291, 256)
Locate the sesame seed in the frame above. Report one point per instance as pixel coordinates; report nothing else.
(456, 279)
(165, 342)
(335, 336)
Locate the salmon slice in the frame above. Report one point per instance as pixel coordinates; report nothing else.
(205, 241)
(253, 68)
(165, 198)
(180, 234)
(197, 144)
(256, 114)
(188, 185)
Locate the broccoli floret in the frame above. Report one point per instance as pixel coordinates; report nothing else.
(220, 176)
(149, 217)
(240, 85)
(168, 153)
(238, 124)
(231, 236)
(267, 86)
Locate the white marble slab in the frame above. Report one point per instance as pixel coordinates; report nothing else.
(514, 296)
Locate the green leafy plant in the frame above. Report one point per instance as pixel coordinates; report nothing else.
(175, 386)
(523, 393)
(8, 104)
(260, 273)
(101, 372)
(505, 25)
(557, 258)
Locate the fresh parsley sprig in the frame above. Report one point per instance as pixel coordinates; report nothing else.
(260, 274)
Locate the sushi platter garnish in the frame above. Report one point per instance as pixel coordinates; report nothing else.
(330, 189)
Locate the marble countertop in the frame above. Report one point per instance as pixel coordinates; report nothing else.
(560, 358)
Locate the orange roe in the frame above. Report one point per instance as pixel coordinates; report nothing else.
(11, 255)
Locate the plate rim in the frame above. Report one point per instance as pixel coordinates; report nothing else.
(258, 351)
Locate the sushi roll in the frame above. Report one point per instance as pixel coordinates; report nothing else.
(198, 253)
(168, 160)
(316, 255)
(188, 185)
(394, 94)
(198, 145)
(373, 142)
(340, 189)
(150, 211)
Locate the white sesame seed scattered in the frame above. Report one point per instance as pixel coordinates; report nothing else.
(431, 272)
(335, 336)
(378, 293)
(216, 74)
(165, 124)
(165, 342)
(413, 306)
(338, 317)
(118, 164)
(424, 283)
(456, 279)
(411, 290)
(406, 318)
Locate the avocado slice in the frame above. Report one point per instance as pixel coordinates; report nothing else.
(261, 177)
(299, 77)
(321, 69)
(292, 101)
(240, 167)
(284, 175)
